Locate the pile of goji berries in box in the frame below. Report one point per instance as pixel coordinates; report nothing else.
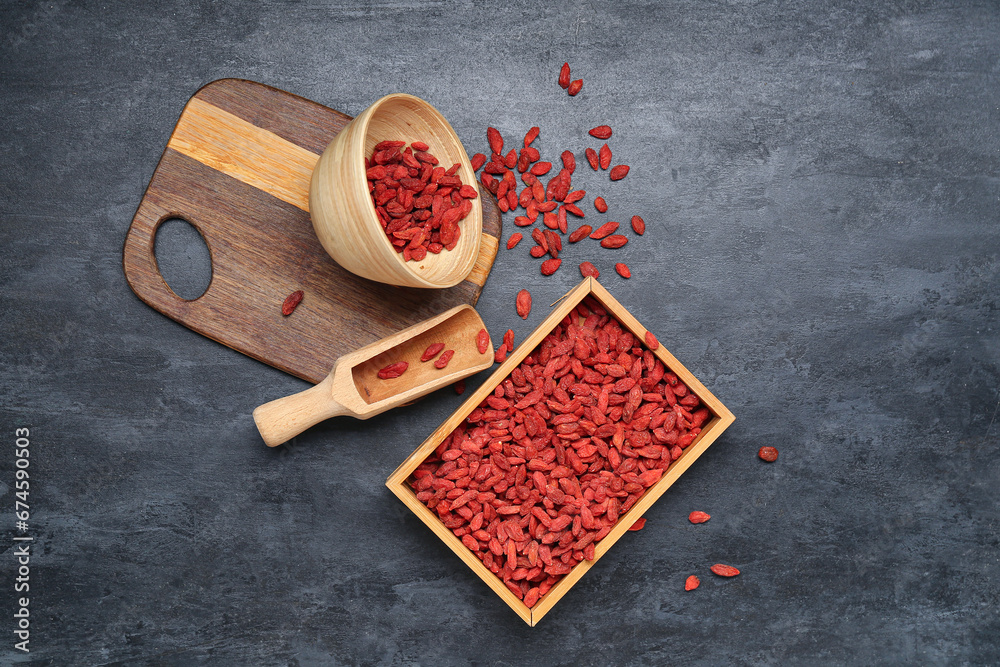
(540, 472)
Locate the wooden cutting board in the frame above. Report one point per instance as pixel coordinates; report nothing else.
(237, 167)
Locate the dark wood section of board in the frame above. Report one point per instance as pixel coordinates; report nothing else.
(262, 249)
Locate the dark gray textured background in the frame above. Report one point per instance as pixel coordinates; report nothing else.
(821, 183)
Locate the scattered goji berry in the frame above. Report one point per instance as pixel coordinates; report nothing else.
(639, 524)
(575, 87)
(580, 233)
(588, 270)
(698, 517)
(623, 270)
(593, 158)
(432, 351)
(601, 132)
(393, 370)
(601, 205)
(514, 239)
(638, 225)
(605, 156)
(724, 570)
(291, 302)
(614, 241)
(564, 76)
(495, 140)
(651, 342)
(619, 172)
(769, 454)
(482, 341)
(523, 303)
(443, 360)
(692, 583)
(605, 230)
(531, 136)
(550, 266)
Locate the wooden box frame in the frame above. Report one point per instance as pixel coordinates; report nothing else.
(719, 422)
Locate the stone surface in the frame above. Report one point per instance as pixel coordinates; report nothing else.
(820, 186)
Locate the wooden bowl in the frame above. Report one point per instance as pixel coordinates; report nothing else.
(718, 422)
(341, 207)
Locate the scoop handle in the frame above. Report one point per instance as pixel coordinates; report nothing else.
(282, 419)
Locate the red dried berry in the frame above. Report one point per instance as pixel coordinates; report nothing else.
(444, 359)
(614, 241)
(601, 205)
(393, 370)
(639, 524)
(478, 160)
(601, 132)
(530, 136)
(291, 302)
(564, 76)
(432, 351)
(724, 570)
(698, 517)
(605, 156)
(501, 354)
(579, 234)
(541, 168)
(769, 454)
(482, 341)
(459, 387)
(550, 266)
(569, 161)
(623, 270)
(651, 342)
(588, 270)
(692, 583)
(495, 140)
(638, 225)
(605, 230)
(508, 339)
(523, 303)
(575, 87)
(619, 172)
(514, 239)
(593, 158)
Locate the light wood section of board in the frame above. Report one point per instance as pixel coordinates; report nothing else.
(240, 149)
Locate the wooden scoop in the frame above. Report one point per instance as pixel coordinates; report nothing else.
(354, 388)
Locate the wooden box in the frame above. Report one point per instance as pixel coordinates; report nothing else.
(718, 422)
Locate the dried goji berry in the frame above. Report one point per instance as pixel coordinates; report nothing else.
(692, 583)
(443, 360)
(501, 354)
(550, 266)
(478, 160)
(564, 75)
(459, 387)
(393, 370)
(541, 168)
(514, 239)
(698, 517)
(291, 302)
(651, 342)
(601, 132)
(593, 158)
(601, 205)
(530, 136)
(614, 241)
(769, 454)
(605, 230)
(724, 570)
(588, 270)
(638, 225)
(575, 87)
(623, 270)
(482, 341)
(432, 351)
(619, 172)
(495, 140)
(523, 303)
(605, 156)
(639, 524)
(569, 161)
(580, 233)
(508, 339)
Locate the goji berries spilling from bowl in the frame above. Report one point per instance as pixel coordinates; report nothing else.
(418, 203)
(539, 473)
